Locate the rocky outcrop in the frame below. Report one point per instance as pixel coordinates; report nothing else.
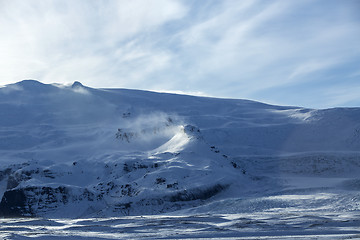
(36, 200)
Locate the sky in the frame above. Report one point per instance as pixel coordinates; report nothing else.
(304, 53)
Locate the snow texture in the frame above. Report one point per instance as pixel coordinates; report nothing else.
(217, 168)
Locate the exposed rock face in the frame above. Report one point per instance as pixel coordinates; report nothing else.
(14, 204)
(37, 201)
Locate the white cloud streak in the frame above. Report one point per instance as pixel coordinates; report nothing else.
(230, 48)
(60, 41)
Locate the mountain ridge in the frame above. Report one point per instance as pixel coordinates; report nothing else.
(70, 151)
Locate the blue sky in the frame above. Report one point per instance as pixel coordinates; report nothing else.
(304, 53)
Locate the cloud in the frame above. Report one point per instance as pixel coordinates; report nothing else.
(311, 66)
(199, 94)
(55, 40)
(266, 45)
(341, 96)
(247, 49)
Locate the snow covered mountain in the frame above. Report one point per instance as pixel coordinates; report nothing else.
(75, 151)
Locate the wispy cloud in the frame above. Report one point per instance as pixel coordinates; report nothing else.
(311, 66)
(66, 40)
(342, 96)
(239, 49)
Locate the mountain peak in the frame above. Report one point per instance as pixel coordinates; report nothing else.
(32, 85)
(77, 84)
(30, 82)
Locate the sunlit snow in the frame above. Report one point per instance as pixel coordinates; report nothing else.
(86, 163)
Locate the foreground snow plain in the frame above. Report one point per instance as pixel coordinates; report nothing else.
(257, 225)
(128, 164)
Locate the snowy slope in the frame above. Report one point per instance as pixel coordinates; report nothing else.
(72, 151)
